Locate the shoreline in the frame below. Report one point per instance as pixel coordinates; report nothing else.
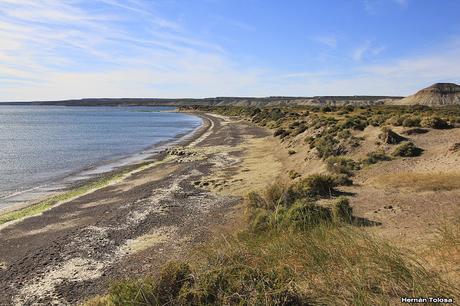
(104, 169)
(129, 226)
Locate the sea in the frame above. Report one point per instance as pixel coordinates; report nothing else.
(40, 145)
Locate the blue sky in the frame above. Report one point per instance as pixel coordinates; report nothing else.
(61, 49)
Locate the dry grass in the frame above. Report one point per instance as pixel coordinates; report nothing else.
(443, 253)
(327, 265)
(421, 181)
(307, 259)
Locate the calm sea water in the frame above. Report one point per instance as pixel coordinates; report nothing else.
(39, 144)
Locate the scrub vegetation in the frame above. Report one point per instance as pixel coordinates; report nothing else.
(302, 244)
(294, 251)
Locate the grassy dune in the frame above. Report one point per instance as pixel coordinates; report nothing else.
(294, 252)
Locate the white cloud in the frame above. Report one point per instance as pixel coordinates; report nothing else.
(402, 3)
(59, 50)
(63, 50)
(328, 40)
(366, 49)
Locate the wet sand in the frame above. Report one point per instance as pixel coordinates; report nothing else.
(73, 251)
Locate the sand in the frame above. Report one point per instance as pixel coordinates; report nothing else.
(73, 251)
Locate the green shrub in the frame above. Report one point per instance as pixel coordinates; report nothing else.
(316, 185)
(260, 219)
(377, 120)
(354, 123)
(164, 290)
(435, 123)
(375, 157)
(411, 122)
(344, 134)
(132, 292)
(341, 165)
(342, 211)
(395, 120)
(328, 146)
(173, 278)
(254, 200)
(293, 174)
(281, 133)
(304, 214)
(407, 149)
(275, 195)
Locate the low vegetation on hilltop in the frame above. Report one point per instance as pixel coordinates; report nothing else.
(331, 130)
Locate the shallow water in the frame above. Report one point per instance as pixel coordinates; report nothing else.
(40, 144)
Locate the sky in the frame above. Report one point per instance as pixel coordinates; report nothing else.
(71, 49)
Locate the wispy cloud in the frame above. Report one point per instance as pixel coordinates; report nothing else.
(402, 3)
(366, 49)
(328, 40)
(69, 49)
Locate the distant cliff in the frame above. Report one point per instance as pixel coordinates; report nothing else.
(219, 101)
(436, 95)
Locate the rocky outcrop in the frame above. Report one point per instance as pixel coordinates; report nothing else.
(436, 95)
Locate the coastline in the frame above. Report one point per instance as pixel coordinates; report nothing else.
(157, 212)
(103, 169)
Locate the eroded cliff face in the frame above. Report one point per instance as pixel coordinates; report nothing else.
(436, 95)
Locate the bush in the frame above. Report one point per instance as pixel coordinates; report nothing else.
(390, 137)
(260, 219)
(377, 120)
(407, 149)
(411, 122)
(254, 200)
(165, 290)
(293, 174)
(435, 123)
(395, 120)
(375, 157)
(274, 195)
(341, 165)
(328, 146)
(316, 185)
(281, 133)
(355, 123)
(304, 214)
(342, 211)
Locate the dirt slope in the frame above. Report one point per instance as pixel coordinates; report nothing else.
(436, 95)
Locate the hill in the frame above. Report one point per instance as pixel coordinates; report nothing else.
(222, 101)
(436, 95)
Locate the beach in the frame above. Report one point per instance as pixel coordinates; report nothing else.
(156, 212)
